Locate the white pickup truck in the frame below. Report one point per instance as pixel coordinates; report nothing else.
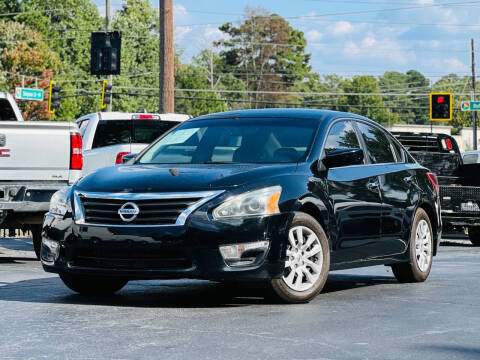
(109, 136)
(37, 158)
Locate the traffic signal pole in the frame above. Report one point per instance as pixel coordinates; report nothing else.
(474, 85)
(107, 28)
(166, 57)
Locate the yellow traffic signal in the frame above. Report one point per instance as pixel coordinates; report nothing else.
(106, 94)
(54, 97)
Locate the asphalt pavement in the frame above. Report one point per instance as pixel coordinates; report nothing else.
(361, 314)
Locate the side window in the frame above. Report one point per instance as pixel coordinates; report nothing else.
(399, 153)
(377, 143)
(82, 126)
(342, 135)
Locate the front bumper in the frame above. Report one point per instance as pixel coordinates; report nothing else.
(188, 251)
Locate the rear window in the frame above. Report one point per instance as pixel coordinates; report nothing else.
(115, 132)
(6, 111)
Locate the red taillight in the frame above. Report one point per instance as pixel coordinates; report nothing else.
(145, 117)
(433, 179)
(76, 156)
(449, 144)
(120, 156)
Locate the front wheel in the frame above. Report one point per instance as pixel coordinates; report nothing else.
(474, 235)
(421, 251)
(307, 263)
(92, 285)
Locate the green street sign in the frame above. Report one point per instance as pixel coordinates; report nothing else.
(29, 94)
(470, 105)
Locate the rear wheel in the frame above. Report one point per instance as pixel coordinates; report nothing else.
(307, 263)
(474, 235)
(421, 251)
(37, 239)
(92, 285)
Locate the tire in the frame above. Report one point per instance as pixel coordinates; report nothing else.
(474, 235)
(421, 251)
(92, 285)
(307, 263)
(37, 239)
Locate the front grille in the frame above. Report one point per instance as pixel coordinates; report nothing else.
(131, 260)
(460, 193)
(152, 211)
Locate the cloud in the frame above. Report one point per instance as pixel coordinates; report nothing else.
(372, 48)
(314, 35)
(179, 10)
(341, 28)
(211, 34)
(453, 65)
(181, 31)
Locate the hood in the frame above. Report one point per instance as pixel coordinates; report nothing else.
(168, 178)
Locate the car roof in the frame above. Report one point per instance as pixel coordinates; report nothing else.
(113, 115)
(314, 114)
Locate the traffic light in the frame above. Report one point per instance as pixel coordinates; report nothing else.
(54, 97)
(106, 94)
(105, 53)
(441, 105)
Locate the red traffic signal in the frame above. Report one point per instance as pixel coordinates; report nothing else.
(441, 106)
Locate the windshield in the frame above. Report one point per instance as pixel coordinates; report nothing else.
(115, 132)
(234, 141)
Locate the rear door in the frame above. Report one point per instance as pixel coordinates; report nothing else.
(355, 198)
(387, 158)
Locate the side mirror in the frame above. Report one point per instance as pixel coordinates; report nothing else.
(129, 158)
(343, 157)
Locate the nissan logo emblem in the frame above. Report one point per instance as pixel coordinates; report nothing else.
(129, 211)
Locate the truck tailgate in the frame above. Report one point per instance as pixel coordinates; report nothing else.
(35, 151)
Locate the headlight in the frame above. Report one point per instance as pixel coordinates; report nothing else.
(59, 202)
(252, 203)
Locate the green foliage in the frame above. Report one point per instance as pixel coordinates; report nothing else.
(263, 54)
(371, 106)
(267, 54)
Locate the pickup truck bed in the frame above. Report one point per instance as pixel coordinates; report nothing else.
(36, 160)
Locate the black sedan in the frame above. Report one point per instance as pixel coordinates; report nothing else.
(278, 197)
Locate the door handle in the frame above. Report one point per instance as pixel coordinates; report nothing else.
(408, 179)
(372, 185)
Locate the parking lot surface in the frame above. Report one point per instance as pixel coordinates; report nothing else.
(361, 314)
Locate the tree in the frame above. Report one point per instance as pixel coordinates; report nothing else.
(26, 53)
(371, 106)
(266, 53)
(454, 83)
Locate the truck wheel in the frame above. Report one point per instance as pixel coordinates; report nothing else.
(421, 251)
(474, 235)
(307, 263)
(92, 285)
(37, 239)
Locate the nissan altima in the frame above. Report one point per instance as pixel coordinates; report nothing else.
(278, 197)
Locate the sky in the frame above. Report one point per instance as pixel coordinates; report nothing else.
(349, 37)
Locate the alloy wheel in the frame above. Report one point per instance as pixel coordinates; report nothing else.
(304, 259)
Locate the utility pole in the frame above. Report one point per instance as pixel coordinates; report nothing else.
(474, 85)
(166, 58)
(107, 28)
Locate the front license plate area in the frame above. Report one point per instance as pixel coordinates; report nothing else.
(470, 207)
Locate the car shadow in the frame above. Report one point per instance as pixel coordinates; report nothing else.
(169, 294)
